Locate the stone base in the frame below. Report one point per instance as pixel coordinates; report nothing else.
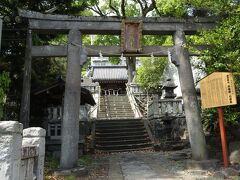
(204, 164)
(77, 171)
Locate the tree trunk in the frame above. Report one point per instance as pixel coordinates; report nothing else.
(131, 63)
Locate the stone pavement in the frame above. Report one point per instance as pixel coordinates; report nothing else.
(150, 166)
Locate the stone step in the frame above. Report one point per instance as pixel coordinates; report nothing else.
(122, 142)
(112, 107)
(118, 121)
(115, 130)
(114, 126)
(118, 134)
(115, 107)
(115, 110)
(123, 137)
(124, 150)
(116, 116)
(120, 113)
(123, 146)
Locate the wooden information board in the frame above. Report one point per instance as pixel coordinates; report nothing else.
(131, 36)
(218, 90)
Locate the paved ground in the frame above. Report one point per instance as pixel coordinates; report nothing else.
(148, 165)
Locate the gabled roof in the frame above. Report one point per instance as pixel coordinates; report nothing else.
(113, 73)
(58, 87)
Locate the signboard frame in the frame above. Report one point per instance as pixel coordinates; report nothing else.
(131, 36)
(217, 90)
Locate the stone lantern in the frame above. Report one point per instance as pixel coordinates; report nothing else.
(168, 89)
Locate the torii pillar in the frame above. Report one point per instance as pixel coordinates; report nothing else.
(0, 31)
(70, 123)
(191, 106)
(25, 101)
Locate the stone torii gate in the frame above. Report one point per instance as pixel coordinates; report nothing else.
(75, 27)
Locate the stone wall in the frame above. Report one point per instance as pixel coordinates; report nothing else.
(21, 151)
(168, 124)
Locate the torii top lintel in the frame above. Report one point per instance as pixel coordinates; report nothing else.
(112, 25)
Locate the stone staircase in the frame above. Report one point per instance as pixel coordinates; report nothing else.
(121, 135)
(116, 129)
(115, 107)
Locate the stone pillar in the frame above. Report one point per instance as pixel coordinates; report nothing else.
(10, 149)
(70, 123)
(0, 31)
(25, 101)
(35, 136)
(191, 106)
(131, 64)
(155, 106)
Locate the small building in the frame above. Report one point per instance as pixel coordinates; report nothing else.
(111, 78)
(51, 100)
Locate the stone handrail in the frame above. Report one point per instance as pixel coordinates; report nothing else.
(152, 111)
(132, 100)
(165, 107)
(94, 109)
(91, 88)
(99, 99)
(170, 107)
(21, 151)
(135, 89)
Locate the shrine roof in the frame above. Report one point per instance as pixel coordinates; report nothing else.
(58, 88)
(113, 73)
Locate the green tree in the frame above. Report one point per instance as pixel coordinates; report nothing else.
(224, 51)
(150, 72)
(181, 8)
(4, 85)
(223, 55)
(44, 70)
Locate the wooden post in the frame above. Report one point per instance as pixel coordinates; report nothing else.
(70, 123)
(191, 106)
(25, 101)
(223, 137)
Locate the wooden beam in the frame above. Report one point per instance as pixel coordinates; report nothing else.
(93, 51)
(112, 25)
